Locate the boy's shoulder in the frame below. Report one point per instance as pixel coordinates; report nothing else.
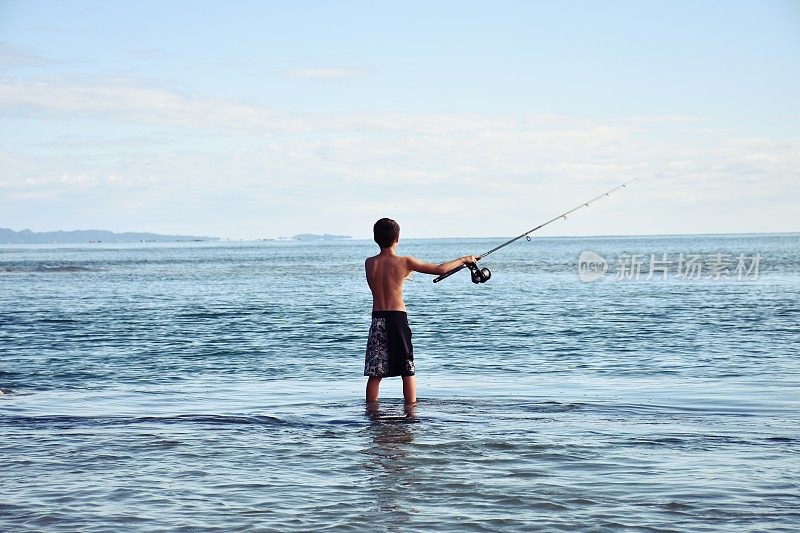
(402, 258)
(378, 262)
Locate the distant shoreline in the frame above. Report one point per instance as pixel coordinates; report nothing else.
(91, 236)
(311, 237)
(167, 239)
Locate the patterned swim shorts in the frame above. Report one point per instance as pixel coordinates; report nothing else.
(389, 349)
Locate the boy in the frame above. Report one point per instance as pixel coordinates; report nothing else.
(389, 349)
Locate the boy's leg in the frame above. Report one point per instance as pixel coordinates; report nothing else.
(410, 389)
(372, 388)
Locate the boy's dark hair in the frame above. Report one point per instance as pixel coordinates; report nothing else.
(386, 232)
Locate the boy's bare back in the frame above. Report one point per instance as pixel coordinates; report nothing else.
(385, 276)
(387, 271)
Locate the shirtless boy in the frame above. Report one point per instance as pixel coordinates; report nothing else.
(389, 349)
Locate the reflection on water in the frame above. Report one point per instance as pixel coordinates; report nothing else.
(388, 467)
(391, 429)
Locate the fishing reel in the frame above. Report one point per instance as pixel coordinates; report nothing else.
(479, 275)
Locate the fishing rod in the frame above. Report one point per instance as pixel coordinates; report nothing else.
(482, 275)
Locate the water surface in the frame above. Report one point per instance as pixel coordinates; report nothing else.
(217, 386)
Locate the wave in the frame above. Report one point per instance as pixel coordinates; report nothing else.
(47, 268)
(251, 420)
(207, 419)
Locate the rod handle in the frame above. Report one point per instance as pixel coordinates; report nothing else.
(448, 274)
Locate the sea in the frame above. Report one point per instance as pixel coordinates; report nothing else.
(592, 384)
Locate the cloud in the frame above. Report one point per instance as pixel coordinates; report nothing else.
(126, 102)
(465, 149)
(324, 73)
(16, 56)
(147, 54)
(226, 162)
(65, 182)
(65, 31)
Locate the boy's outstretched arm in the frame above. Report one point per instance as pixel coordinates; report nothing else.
(418, 265)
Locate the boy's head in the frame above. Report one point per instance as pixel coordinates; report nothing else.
(387, 232)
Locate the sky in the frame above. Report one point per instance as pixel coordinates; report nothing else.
(264, 119)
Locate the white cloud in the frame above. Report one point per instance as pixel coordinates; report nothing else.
(226, 162)
(67, 182)
(147, 54)
(324, 73)
(126, 102)
(16, 56)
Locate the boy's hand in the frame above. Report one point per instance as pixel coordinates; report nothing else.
(470, 259)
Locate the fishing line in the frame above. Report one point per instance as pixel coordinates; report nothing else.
(482, 275)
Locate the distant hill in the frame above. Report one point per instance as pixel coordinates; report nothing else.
(26, 236)
(324, 237)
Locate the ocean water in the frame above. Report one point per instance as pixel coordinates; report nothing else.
(218, 387)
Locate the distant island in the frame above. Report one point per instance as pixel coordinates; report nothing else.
(323, 237)
(26, 236)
